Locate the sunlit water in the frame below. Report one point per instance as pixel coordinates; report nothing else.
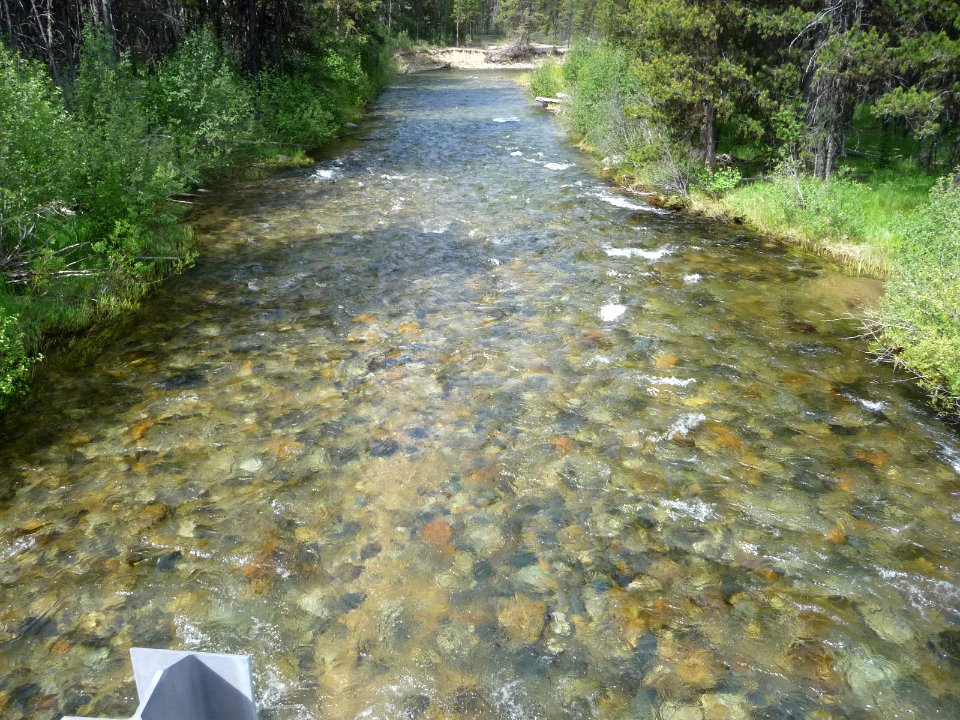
(446, 427)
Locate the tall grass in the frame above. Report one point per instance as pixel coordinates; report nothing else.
(919, 319)
(858, 221)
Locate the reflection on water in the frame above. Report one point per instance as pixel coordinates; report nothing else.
(447, 428)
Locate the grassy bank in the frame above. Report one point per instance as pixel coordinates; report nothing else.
(880, 214)
(92, 174)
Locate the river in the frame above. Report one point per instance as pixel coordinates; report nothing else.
(446, 427)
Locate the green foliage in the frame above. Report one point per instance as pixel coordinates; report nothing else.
(920, 311)
(34, 150)
(720, 182)
(603, 89)
(291, 110)
(861, 221)
(547, 79)
(199, 98)
(14, 361)
(86, 219)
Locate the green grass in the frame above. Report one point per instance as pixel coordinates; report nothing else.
(859, 222)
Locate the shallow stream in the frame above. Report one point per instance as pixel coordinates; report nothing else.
(446, 427)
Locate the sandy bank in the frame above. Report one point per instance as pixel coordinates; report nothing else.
(440, 58)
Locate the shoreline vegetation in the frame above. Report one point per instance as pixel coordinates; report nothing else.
(97, 173)
(881, 212)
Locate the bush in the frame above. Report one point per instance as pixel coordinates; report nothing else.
(721, 181)
(547, 79)
(14, 361)
(292, 111)
(86, 218)
(35, 154)
(201, 100)
(920, 311)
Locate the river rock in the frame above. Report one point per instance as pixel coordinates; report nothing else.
(724, 706)
(677, 711)
(522, 619)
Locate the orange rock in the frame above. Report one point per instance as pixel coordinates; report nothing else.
(714, 327)
(728, 440)
(60, 648)
(877, 458)
(667, 361)
(596, 339)
(283, 448)
(846, 482)
(138, 430)
(835, 536)
(409, 327)
(437, 533)
(683, 439)
(768, 574)
(796, 379)
(364, 319)
(562, 443)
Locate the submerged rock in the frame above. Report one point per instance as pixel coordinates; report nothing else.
(522, 619)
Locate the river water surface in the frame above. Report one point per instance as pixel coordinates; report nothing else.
(445, 427)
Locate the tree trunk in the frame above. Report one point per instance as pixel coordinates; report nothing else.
(708, 136)
(253, 38)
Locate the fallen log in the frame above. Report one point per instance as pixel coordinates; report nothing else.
(547, 101)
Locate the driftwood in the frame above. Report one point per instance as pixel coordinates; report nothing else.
(547, 101)
(520, 52)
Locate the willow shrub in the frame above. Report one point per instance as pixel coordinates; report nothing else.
(200, 99)
(546, 80)
(86, 179)
(920, 311)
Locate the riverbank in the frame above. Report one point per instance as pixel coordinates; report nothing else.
(888, 220)
(95, 177)
(494, 57)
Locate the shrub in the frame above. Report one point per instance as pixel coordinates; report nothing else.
(14, 361)
(547, 79)
(292, 111)
(920, 311)
(720, 182)
(200, 98)
(35, 153)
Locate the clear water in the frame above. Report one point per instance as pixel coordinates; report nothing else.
(446, 427)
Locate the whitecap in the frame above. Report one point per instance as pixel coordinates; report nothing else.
(516, 153)
(657, 254)
(682, 426)
(951, 457)
(672, 381)
(325, 175)
(696, 508)
(506, 120)
(691, 278)
(871, 405)
(557, 166)
(609, 313)
(621, 202)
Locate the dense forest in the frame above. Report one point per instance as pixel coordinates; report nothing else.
(829, 121)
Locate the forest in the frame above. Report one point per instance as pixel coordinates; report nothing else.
(834, 123)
